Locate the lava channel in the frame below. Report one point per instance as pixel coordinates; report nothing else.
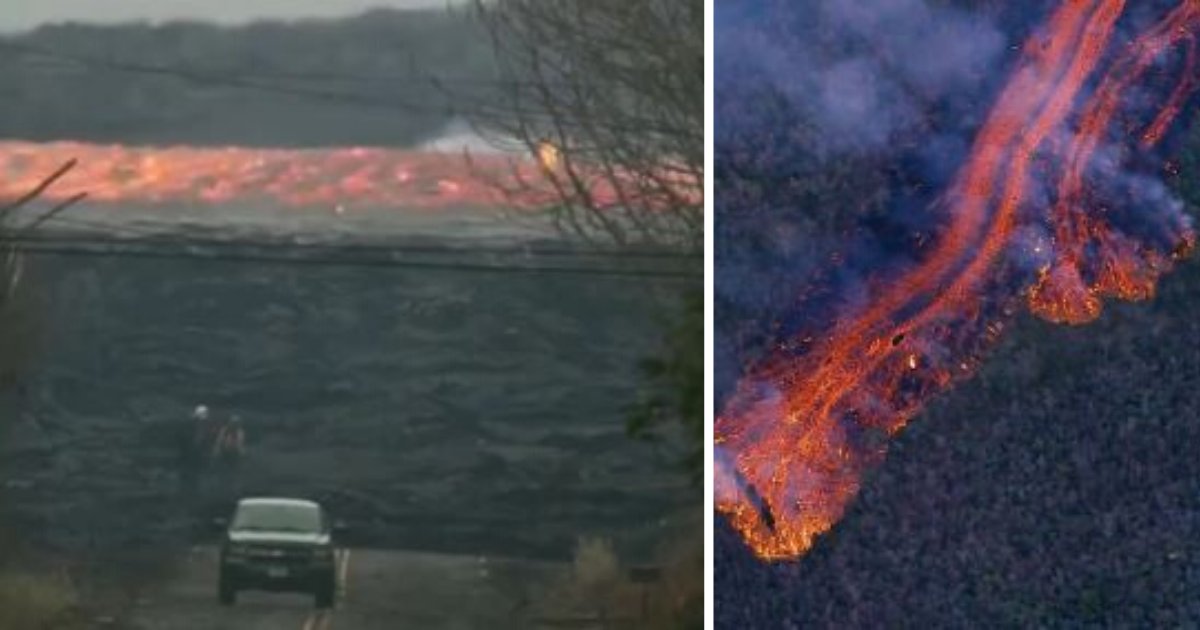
(798, 431)
(344, 178)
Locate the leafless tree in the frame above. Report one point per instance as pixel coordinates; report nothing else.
(609, 95)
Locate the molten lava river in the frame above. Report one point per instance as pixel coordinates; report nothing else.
(334, 178)
(1044, 212)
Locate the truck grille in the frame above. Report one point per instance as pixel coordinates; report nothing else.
(280, 555)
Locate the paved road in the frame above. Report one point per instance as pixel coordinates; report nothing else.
(380, 590)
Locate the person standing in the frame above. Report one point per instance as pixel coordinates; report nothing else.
(227, 451)
(190, 442)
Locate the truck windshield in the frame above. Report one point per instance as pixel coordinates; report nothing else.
(277, 517)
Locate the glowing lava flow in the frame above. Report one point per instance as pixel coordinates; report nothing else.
(334, 178)
(804, 423)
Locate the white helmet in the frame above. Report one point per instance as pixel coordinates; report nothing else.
(201, 412)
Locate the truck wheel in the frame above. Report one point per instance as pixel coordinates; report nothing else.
(324, 595)
(226, 591)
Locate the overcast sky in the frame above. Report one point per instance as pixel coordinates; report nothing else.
(19, 15)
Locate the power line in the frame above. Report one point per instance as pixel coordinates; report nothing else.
(486, 107)
(286, 75)
(527, 250)
(303, 255)
(198, 76)
(180, 238)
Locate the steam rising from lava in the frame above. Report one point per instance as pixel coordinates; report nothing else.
(1055, 206)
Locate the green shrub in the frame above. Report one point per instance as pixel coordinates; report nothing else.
(601, 588)
(31, 601)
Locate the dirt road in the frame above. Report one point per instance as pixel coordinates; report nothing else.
(379, 590)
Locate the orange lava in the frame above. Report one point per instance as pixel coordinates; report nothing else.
(798, 432)
(335, 178)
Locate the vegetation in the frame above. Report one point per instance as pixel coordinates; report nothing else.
(616, 91)
(610, 95)
(676, 387)
(33, 598)
(34, 601)
(602, 588)
(29, 598)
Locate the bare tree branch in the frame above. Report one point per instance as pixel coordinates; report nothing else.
(617, 87)
(36, 191)
(18, 320)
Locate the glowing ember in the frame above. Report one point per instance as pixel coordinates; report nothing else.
(339, 179)
(801, 427)
(549, 156)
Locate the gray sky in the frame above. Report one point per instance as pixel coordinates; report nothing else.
(19, 15)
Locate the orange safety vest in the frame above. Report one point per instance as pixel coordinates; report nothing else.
(228, 442)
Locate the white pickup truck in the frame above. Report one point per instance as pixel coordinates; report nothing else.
(277, 544)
